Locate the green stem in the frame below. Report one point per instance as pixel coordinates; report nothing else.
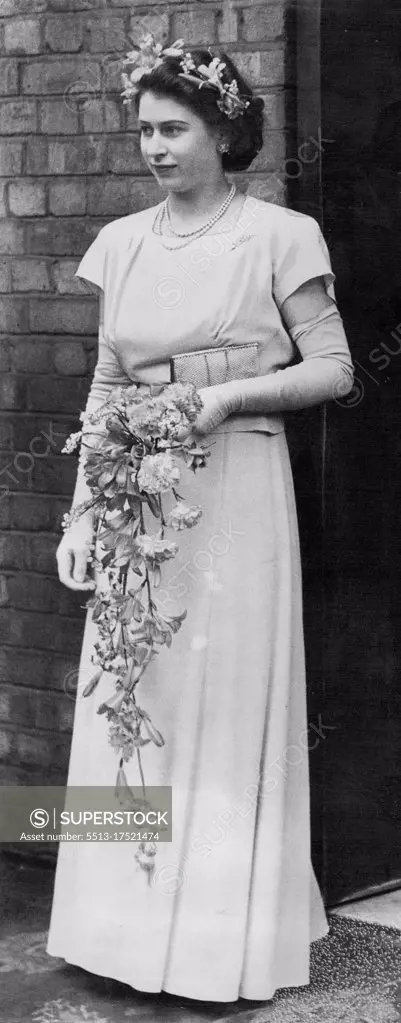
(141, 772)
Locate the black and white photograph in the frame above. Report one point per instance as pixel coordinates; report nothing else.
(200, 540)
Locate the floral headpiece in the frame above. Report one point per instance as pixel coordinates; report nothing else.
(149, 54)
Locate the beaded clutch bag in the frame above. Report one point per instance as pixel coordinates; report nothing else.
(216, 365)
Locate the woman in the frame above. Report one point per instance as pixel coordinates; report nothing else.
(235, 904)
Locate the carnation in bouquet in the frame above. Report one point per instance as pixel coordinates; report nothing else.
(131, 468)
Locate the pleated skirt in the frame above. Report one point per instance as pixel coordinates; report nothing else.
(234, 904)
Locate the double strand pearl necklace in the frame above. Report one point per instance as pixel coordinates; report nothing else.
(164, 214)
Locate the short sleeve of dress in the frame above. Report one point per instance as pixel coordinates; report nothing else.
(91, 267)
(300, 254)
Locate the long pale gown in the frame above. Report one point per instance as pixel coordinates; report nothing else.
(234, 904)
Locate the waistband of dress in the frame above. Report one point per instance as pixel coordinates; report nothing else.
(237, 423)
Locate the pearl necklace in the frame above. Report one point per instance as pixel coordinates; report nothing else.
(163, 214)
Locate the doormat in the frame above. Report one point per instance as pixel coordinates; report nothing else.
(355, 975)
(355, 978)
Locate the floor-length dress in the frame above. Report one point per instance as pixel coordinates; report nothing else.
(234, 903)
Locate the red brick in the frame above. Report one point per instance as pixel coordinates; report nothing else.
(42, 475)
(248, 64)
(274, 112)
(197, 27)
(112, 75)
(107, 34)
(6, 435)
(227, 27)
(30, 591)
(75, 5)
(36, 749)
(131, 119)
(3, 198)
(70, 359)
(27, 198)
(4, 600)
(5, 508)
(5, 355)
(272, 67)
(124, 156)
(57, 117)
(13, 314)
(157, 22)
(41, 434)
(64, 33)
(18, 116)
(11, 152)
(5, 275)
(139, 3)
(30, 356)
(6, 743)
(60, 315)
(102, 115)
(60, 236)
(52, 712)
(15, 7)
(11, 237)
(40, 553)
(59, 396)
(41, 631)
(83, 156)
(22, 36)
(34, 512)
(30, 275)
(65, 282)
(8, 77)
(109, 196)
(262, 23)
(12, 773)
(35, 668)
(12, 550)
(47, 77)
(37, 155)
(67, 197)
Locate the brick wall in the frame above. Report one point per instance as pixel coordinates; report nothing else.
(69, 163)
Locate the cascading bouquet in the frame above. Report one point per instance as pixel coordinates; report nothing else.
(128, 470)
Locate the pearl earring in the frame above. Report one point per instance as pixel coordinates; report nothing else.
(223, 147)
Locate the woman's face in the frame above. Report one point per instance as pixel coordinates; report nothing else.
(178, 147)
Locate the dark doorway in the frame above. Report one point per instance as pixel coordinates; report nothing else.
(361, 203)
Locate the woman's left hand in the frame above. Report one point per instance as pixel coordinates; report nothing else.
(219, 401)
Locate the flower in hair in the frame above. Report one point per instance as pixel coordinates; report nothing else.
(149, 55)
(144, 58)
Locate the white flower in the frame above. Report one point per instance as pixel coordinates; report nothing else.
(158, 473)
(182, 515)
(175, 50)
(71, 443)
(155, 549)
(213, 73)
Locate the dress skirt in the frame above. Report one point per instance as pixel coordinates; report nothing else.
(233, 904)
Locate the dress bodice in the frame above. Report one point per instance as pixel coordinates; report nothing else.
(225, 288)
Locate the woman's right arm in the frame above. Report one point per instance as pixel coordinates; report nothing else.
(74, 550)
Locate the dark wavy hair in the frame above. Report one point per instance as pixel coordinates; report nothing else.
(244, 133)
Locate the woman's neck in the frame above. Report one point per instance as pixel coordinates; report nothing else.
(198, 204)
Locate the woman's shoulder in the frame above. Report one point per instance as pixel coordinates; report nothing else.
(128, 226)
(281, 217)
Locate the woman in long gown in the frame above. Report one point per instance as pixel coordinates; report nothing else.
(234, 904)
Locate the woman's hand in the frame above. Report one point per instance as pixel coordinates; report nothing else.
(219, 401)
(73, 555)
